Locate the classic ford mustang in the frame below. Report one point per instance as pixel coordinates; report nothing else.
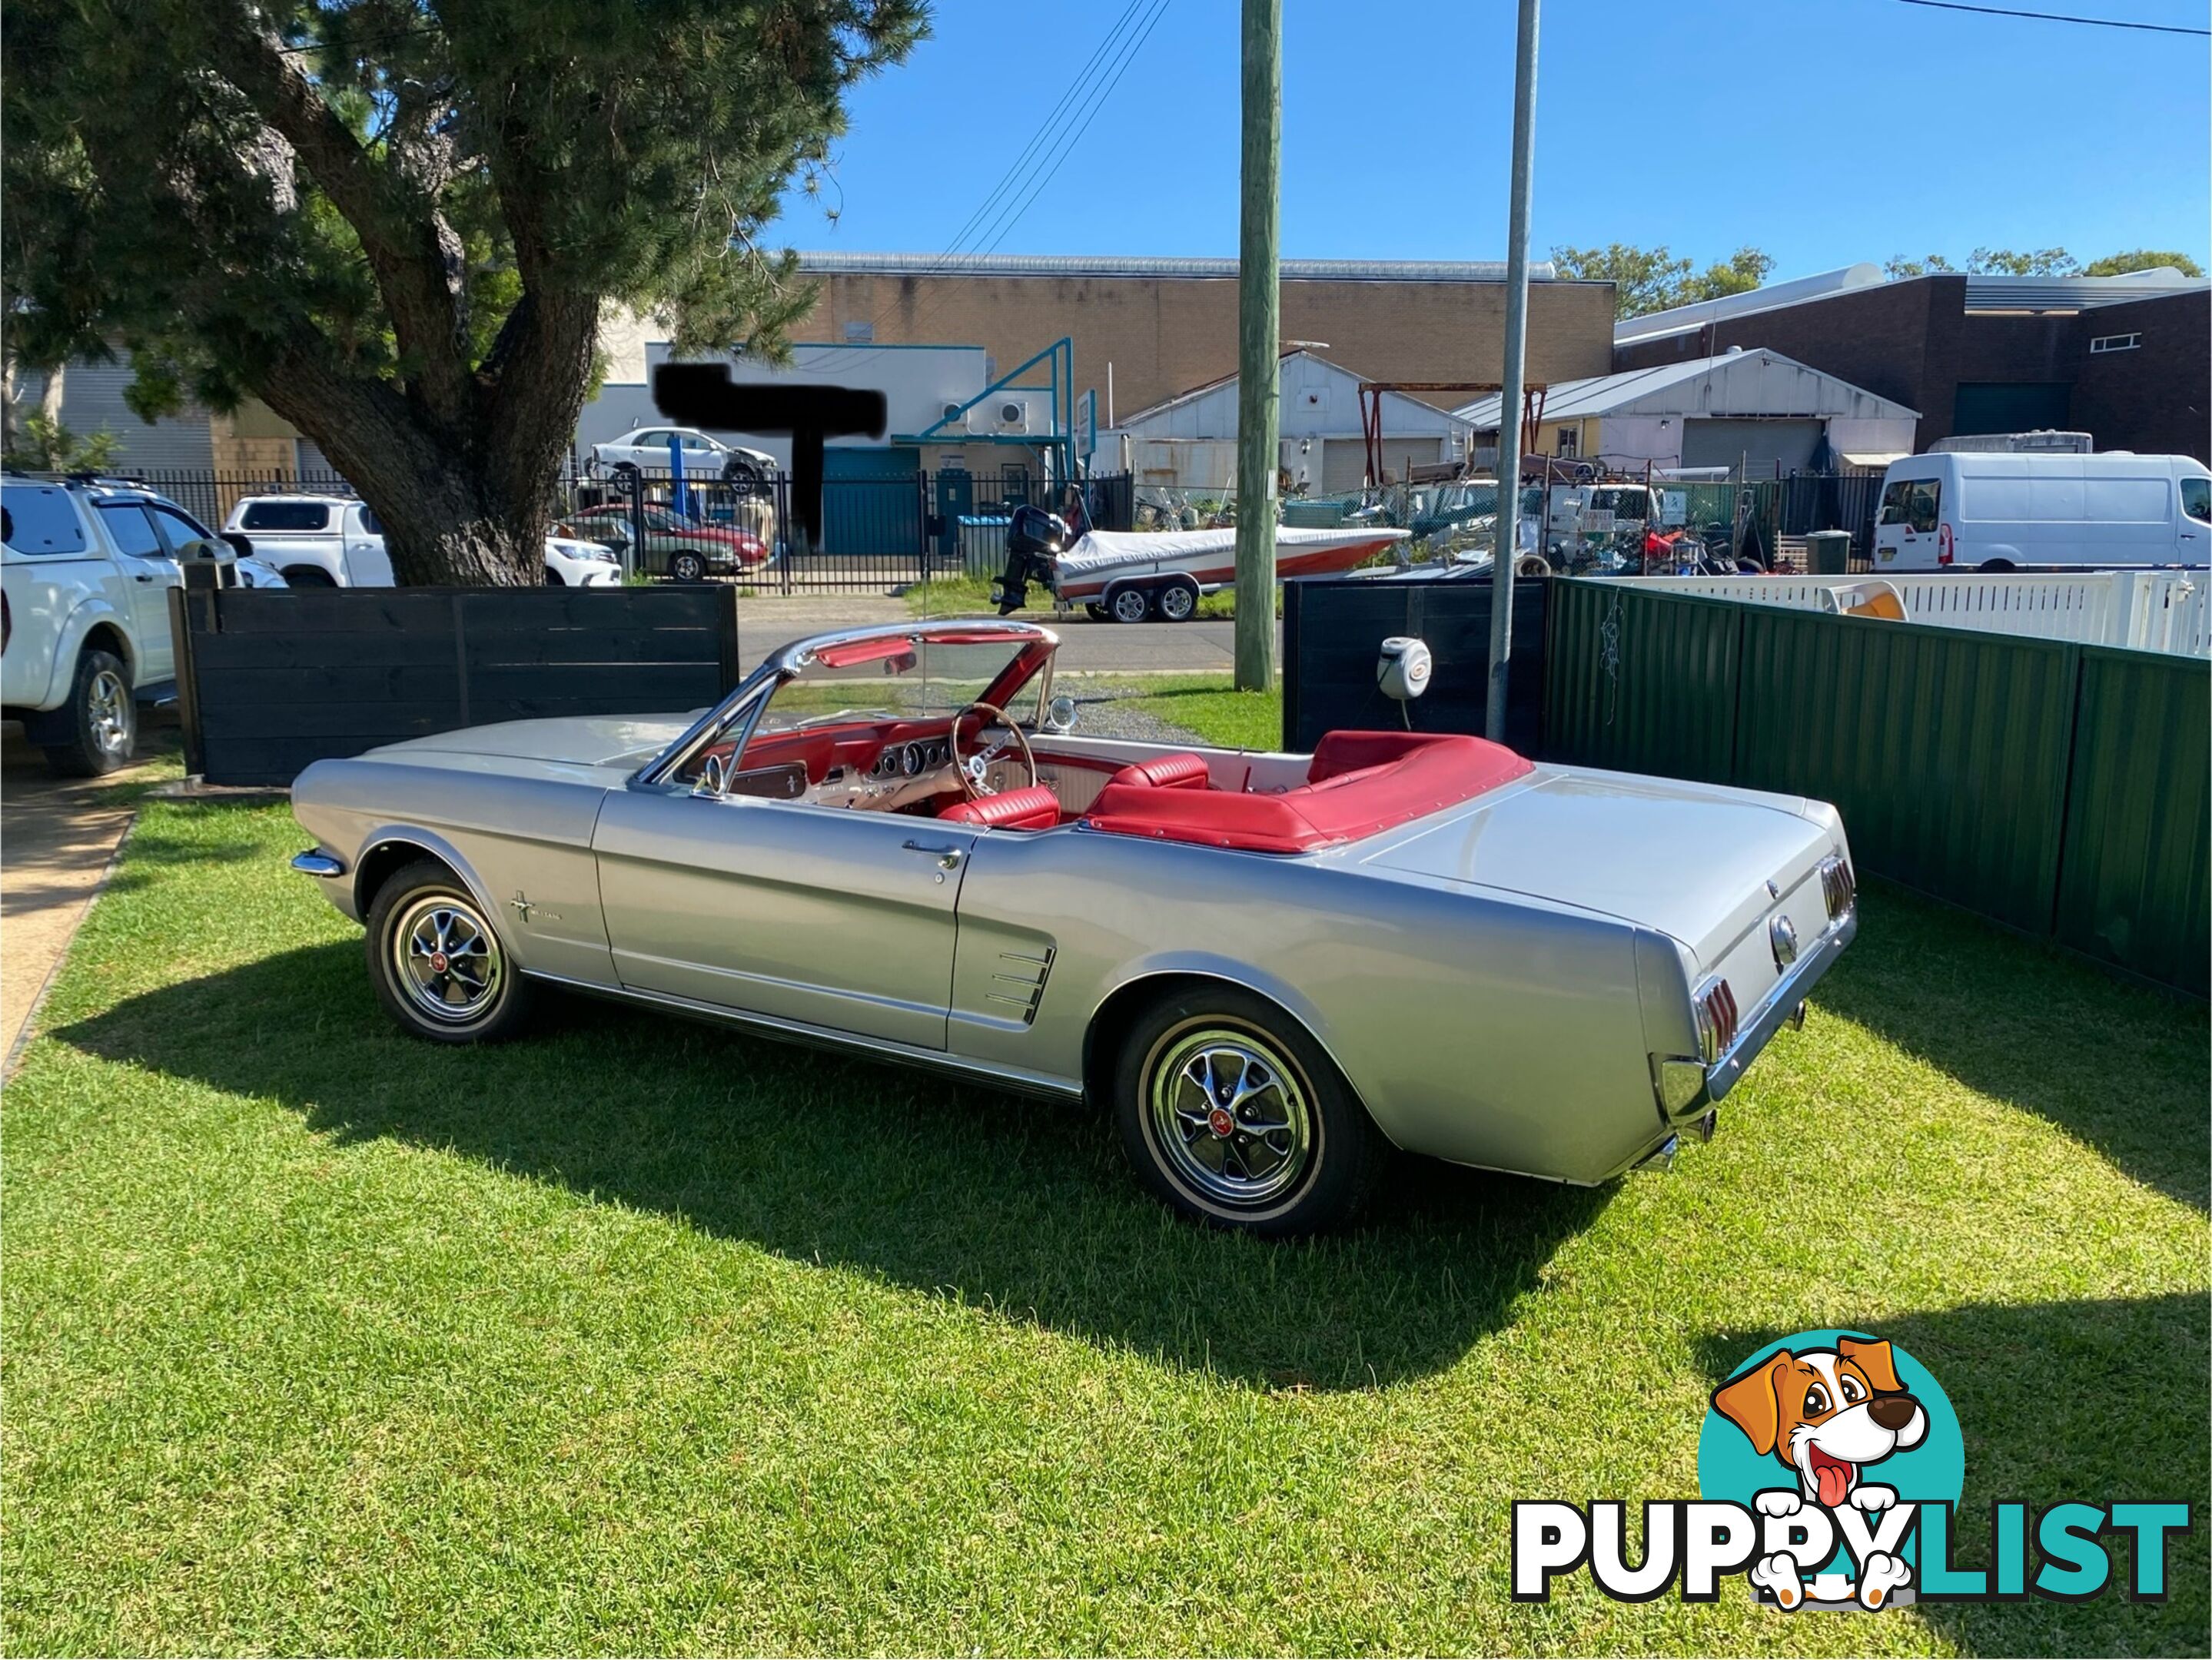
(1269, 968)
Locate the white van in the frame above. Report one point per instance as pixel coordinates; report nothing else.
(1971, 510)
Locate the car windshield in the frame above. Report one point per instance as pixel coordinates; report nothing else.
(895, 679)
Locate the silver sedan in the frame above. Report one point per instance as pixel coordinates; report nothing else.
(1271, 969)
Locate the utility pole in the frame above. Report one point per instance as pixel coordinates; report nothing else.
(1259, 329)
(1514, 390)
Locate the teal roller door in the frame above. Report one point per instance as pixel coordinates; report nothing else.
(871, 501)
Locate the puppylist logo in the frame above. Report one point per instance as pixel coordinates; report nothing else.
(1830, 1466)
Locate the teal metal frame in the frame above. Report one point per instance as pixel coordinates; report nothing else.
(1058, 362)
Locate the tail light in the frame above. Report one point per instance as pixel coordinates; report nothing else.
(1718, 1018)
(1838, 886)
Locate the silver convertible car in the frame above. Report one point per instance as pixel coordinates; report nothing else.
(1271, 969)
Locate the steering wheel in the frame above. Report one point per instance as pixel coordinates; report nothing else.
(972, 771)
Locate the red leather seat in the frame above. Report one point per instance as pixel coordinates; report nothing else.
(1033, 808)
(1360, 783)
(1180, 771)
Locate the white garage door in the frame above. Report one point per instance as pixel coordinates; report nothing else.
(1343, 460)
(1764, 445)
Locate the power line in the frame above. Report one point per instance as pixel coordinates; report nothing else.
(2058, 17)
(1033, 170)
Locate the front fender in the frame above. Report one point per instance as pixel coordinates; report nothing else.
(89, 614)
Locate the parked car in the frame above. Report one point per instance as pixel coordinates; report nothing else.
(570, 563)
(1992, 511)
(645, 449)
(316, 541)
(674, 545)
(1269, 968)
(85, 574)
(335, 541)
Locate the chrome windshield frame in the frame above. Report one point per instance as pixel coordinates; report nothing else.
(753, 693)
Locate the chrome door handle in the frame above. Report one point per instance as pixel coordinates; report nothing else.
(143, 576)
(947, 858)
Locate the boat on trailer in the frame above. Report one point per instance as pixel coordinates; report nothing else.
(1129, 575)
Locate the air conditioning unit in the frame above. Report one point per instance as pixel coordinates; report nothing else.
(1008, 413)
(952, 419)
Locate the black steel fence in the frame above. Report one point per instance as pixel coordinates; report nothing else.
(877, 530)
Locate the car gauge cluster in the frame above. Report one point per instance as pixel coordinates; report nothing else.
(911, 760)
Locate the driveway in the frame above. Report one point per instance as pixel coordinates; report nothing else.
(56, 836)
(1196, 648)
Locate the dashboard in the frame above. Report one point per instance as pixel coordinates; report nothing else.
(910, 760)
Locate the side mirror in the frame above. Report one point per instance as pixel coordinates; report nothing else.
(1060, 714)
(713, 778)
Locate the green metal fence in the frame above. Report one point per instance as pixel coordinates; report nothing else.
(2062, 790)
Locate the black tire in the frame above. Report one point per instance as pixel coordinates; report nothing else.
(687, 567)
(742, 478)
(1095, 610)
(427, 905)
(1128, 604)
(553, 578)
(1994, 567)
(1178, 602)
(102, 720)
(1314, 1173)
(307, 576)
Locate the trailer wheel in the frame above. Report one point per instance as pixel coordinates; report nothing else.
(1128, 604)
(1178, 600)
(1094, 609)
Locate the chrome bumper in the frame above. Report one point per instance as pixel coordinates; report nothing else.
(1783, 1001)
(316, 862)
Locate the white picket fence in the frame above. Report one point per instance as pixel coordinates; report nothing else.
(2150, 610)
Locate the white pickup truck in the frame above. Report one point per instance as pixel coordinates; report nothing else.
(338, 542)
(84, 617)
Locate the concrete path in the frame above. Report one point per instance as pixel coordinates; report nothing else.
(1089, 647)
(56, 836)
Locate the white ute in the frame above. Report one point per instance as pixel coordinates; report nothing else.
(338, 542)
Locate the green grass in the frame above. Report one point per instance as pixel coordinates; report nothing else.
(642, 1336)
(1205, 704)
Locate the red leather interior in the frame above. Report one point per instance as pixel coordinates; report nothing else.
(1360, 783)
(1033, 808)
(1182, 770)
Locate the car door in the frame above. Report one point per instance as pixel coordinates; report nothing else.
(2193, 533)
(143, 558)
(822, 916)
(366, 564)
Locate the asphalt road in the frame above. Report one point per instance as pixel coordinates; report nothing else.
(1194, 648)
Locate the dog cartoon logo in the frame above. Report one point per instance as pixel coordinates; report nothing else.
(1837, 1422)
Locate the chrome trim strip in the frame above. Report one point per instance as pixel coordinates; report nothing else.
(1789, 992)
(316, 862)
(798, 1031)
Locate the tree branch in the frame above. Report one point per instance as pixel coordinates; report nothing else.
(412, 252)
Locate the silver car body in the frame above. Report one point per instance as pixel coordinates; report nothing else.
(1525, 980)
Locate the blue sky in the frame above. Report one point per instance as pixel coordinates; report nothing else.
(1822, 131)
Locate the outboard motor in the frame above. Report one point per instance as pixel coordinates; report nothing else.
(1033, 537)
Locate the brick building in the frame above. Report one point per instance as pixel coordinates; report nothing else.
(1166, 325)
(2126, 359)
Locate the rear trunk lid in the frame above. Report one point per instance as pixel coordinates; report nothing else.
(1692, 861)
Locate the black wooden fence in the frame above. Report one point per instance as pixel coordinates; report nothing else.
(1331, 632)
(271, 680)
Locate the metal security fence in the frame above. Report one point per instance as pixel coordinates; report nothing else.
(876, 530)
(2061, 789)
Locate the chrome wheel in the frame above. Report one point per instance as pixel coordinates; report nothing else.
(1178, 603)
(107, 712)
(446, 959)
(1229, 1114)
(1130, 605)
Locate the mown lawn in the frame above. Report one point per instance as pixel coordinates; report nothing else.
(644, 1336)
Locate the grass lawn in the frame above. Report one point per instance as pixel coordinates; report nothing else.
(1205, 704)
(644, 1336)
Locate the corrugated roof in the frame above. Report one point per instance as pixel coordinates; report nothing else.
(1219, 380)
(1987, 294)
(1658, 324)
(827, 263)
(1767, 378)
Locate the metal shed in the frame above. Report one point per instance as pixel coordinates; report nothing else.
(1189, 440)
(1756, 408)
